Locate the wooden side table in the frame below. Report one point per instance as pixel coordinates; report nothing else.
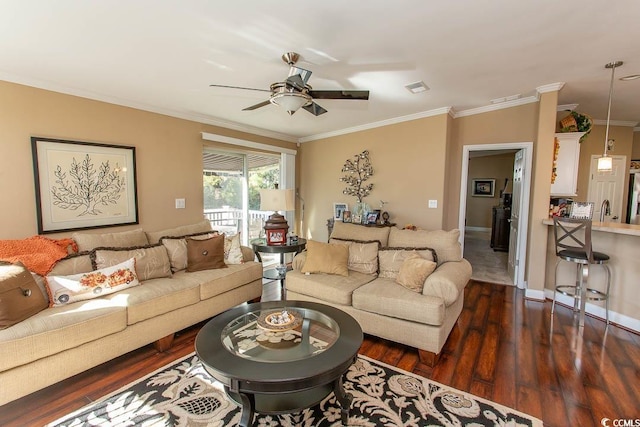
(260, 246)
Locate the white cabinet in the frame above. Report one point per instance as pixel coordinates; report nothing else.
(566, 158)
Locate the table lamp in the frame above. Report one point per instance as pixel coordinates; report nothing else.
(276, 226)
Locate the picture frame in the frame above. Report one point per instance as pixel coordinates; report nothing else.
(581, 210)
(62, 167)
(356, 218)
(338, 209)
(483, 187)
(346, 216)
(372, 217)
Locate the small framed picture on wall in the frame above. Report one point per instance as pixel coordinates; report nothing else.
(483, 187)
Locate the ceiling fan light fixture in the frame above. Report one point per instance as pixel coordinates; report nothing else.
(290, 101)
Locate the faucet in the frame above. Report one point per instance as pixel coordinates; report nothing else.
(605, 209)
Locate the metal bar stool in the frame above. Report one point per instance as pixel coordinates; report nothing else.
(573, 243)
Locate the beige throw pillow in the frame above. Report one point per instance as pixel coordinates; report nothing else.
(363, 256)
(414, 272)
(391, 259)
(326, 258)
(151, 261)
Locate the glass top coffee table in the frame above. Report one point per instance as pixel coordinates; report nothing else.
(280, 356)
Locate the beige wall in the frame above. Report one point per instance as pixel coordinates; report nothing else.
(168, 154)
(409, 169)
(516, 124)
(498, 167)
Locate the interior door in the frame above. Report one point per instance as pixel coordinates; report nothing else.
(607, 185)
(516, 206)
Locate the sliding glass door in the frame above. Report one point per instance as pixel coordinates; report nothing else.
(231, 185)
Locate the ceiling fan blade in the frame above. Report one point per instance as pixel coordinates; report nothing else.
(304, 74)
(339, 94)
(295, 81)
(314, 109)
(238, 87)
(253, 107)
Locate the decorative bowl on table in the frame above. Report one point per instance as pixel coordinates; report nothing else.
(279, 320)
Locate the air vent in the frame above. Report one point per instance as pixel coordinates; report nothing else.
(417, 87)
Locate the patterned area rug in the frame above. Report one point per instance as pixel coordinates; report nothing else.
(183, 394)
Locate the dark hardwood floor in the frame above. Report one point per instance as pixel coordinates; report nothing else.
(504, 348)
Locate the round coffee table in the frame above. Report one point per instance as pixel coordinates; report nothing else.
(273, 363)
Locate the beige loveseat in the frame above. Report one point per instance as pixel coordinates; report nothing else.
(62, 341)
(383, 307)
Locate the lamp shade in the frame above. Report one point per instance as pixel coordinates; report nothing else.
(277, 200)
(605, 163)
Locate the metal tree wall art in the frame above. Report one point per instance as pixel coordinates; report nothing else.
(358, 170)
(87, 189)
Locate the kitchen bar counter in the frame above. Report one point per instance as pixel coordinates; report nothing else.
(609, 227)
(621, 243)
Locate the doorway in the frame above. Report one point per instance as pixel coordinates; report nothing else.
(512, 261)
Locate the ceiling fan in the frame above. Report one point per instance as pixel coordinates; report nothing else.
(294, 92)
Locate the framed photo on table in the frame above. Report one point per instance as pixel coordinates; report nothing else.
(483, 187)
(372, 217)
(338, 210)
(81, 185)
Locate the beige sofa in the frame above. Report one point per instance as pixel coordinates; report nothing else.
(62, 341)
(383, 307)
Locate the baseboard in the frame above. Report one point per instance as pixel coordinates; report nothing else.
(534, 294)
(599, 312)
(477, 229)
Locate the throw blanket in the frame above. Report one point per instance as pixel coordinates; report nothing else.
(38, 253)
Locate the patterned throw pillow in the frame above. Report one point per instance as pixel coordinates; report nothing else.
(78, 287)
(232, 251)
(205, 254)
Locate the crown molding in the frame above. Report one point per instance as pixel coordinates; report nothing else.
(567, 107)
(395, 120)
(245, 143)
(495, 107)
(199, 118)
(616, 123)
(636, 129)
(552, 87)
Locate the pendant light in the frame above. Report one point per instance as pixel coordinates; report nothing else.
(605, 163)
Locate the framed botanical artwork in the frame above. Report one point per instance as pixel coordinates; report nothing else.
(483, 187)
(338, 209)
(81, 185)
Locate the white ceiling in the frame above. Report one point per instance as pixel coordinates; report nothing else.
(161, 55)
